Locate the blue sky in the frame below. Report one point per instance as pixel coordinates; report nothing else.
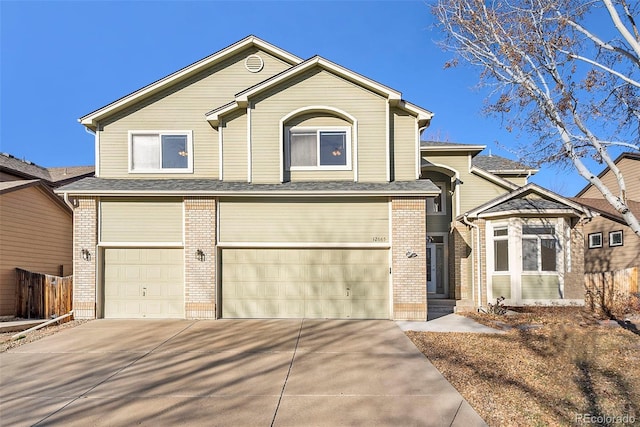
(61, 60)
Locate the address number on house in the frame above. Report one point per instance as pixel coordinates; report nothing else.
(379, 239)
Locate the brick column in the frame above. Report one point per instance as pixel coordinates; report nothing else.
(200, 233)
(409, 233)
(85, 236)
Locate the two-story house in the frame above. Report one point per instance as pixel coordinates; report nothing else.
(253, 183)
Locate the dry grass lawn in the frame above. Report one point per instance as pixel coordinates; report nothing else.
(569, 364)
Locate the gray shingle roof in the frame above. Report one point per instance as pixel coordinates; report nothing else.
(94, 185)
(526, 205)
(495, 163)
(445, 144)
(30, 170)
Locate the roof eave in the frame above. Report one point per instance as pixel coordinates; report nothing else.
(101, 193)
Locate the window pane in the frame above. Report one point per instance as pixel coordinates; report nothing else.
(615, 238)
(501, 255)
(174, 152)
(145, 152)
(530, 254)
(500, 231)
(548, 249)
(333, 148)
(595, 240)
(303, 149)
(538, 229)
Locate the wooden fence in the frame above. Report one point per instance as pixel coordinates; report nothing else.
(610, 291)
(42, 296)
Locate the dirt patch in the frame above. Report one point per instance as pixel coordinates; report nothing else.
(568, 365)
(6, 343)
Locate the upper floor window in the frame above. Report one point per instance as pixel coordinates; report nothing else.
(318, 148)
(436, 205)
(160, 152)
(595, 240)
(615, 238)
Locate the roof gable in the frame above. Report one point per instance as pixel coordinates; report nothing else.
(627, 155)
(530, 199)
(394, 97)
(91, 119)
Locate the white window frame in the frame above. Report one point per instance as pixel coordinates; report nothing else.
(593, 245)
(160, 133)
(494, 238)
(317, 130)
(443, 200)
(539, 238)
(612, 234)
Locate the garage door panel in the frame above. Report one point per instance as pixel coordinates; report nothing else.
(305, 283)
(143, 283)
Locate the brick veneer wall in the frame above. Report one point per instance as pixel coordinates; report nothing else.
(200, 233)
(85, 236)
(409, 231)
(574, 280)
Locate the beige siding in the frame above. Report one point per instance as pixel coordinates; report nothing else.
(311, 283)
(536, 287)
(182, 107)
(35, 234)
(141, 220)
(318, 87)
(610, 258)
(234, 148)
(517, 180)
(501, 286)
(475, 190)
(404, 146)
(630, 171)
(334, 220)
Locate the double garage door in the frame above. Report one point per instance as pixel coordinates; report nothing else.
(311, 283)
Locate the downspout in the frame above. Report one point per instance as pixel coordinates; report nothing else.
(67, 201)
(465, 219)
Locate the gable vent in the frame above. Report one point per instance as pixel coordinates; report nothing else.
(253, 63)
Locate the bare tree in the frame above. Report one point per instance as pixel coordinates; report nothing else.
(567, 71)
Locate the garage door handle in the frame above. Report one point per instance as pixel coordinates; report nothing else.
(144, 292)
(348, 289)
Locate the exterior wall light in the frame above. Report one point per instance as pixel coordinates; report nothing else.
(200, 255)
(86, 255)
(411, 254)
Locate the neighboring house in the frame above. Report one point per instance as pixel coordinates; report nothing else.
(610, 244)
(253, 183)
(35, 224)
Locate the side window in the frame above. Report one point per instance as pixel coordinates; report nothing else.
(160, 152)
(501, 249)
(595, 240)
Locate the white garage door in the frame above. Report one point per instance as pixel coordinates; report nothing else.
(143, 283)
(312, 283)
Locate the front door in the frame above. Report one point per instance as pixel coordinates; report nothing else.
(431, 268)
(436, 271)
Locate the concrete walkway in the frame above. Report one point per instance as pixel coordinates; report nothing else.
(449, 323)
(227, 372)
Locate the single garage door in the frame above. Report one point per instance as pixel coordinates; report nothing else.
(312, 283)
(143, 283)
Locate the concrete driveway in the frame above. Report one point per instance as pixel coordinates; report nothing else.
(227, 373)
